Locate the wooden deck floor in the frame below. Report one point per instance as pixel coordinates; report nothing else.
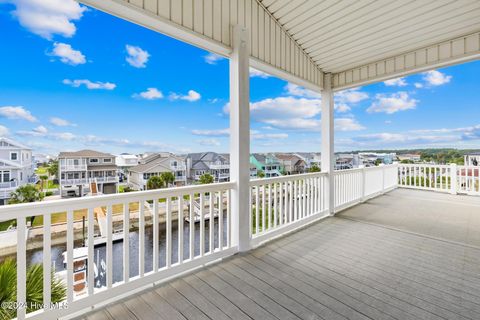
(338, 268)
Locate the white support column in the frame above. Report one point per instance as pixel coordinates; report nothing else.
(240, 137)
(328, 155)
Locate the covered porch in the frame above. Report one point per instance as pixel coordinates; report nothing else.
(330, 245)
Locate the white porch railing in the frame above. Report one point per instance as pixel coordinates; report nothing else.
(180, 229)
(443, 178)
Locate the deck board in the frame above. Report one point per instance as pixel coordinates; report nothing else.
(353, 266)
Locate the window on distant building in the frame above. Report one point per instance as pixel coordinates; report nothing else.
(107, 160)
(13, 156)
(94, 160)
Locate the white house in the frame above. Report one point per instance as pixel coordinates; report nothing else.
(17, 167)
(87, 171)
(154, 165)
(218, 165)
(472, 159)
(124, 162)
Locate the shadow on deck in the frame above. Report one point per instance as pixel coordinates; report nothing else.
(405, 255)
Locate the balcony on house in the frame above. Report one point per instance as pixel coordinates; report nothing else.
(387, 242)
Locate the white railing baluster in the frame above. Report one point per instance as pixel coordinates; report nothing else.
(220, 219)
(155, 231)
(275, 205)
(191, 226)
(280, 206)
(126, 242)
(257, 209)
(202, 226)
(47, 260)
(180, 229)
(168, 226)
(90, 253)
(69, 256)
(269, 212)
(264, 189)
(109, 248)
(211, 240)
(229, 220)
(141, 239)
(295, 195)
(290, 201)
(21, 267)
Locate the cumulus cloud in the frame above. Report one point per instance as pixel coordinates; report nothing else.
(354, 95)
(436, 78)
(209, 142)
(191, 96)
(398, 82)
(298, 91)
(90, 85)
(418, 85)
(4, 131)
(150, 94)
(212, 133)
(256, 135)
(18, 112)
(342, 108)
(41, 129)
(136, 56)
(43, 132)
(254, 73)
(67, 54)
(59, 122)
(348, 124)
(395, 102)
(212, 58)
(47, 18)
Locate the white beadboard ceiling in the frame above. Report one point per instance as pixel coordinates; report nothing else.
(358, 41)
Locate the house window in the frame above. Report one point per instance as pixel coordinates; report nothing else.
(174, 163)
(76, 162)
(108, 160)
(13, 156)
(5, 176)
(93, 160)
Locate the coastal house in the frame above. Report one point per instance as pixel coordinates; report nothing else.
(472, 159)
(291, 163)
(268, 163)
(17, 167)
(87, 171)
(218, 165)
(310, 158)
(154, 165)
(124, 162)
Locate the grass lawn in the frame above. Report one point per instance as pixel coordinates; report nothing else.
(41, 171)
(5, 224)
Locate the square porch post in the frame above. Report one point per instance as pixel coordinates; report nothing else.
(328, 155)
(240, 138)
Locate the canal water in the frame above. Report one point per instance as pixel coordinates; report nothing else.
(36, 256)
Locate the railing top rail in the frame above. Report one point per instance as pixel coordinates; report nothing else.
(424, 165)
(39, 208)
(262, 181)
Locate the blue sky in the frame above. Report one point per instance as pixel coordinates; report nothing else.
(84, 79)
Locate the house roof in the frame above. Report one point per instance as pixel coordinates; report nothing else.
(154, 161)
(14, 143)
(201, 161)
(85, 154)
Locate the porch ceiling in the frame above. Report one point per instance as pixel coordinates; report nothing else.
(358, 41)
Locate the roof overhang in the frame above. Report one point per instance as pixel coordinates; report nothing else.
(357, 41)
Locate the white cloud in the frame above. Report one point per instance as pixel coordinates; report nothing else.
(265, 136)
(59, 122)
(342, 108)
(212, 133)
(398, 82)
(150, 94)
(212, 58)
(3, 131)
(298, 91)
(353, 95)
(18, 112)
(67, 54)
(48, 17)
(418, 85)
(209, 142)
(348, 124)
(41, 130)
(436, 78)
(191, 96)
(254, 73)
(395, 102)
(90, 85)
(136, 56)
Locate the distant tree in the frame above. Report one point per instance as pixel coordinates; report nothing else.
(43, 179)
(378, 162)
(53, 169)
(168, 178)
(155, 182)
(260, 174)
(314, 168)
(206, 178)
(406, 161)
(26, 194)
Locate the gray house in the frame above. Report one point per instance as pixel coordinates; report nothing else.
(17, 167)
(217, 165)
(87, 171)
